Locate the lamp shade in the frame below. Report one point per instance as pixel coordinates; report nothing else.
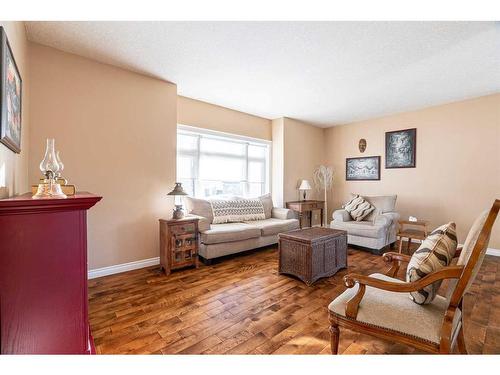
(178, 190)
(305, 185)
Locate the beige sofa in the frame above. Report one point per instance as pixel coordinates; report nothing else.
(217, 240)
(377, 230)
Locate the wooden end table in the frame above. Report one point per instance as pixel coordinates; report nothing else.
(306, 207)
(178, 243)
(419, 233)
(312, 253)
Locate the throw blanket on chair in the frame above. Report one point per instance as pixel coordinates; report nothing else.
(232, 211)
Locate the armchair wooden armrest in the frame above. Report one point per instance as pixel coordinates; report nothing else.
(452, 272)
(395, 259)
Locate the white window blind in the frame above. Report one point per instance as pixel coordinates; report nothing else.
(214, 164)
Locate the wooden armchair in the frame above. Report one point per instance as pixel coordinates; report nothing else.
(379, 304)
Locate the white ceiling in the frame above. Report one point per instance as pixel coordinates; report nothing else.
(326, 73)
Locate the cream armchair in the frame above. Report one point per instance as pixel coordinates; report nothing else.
(377, 230)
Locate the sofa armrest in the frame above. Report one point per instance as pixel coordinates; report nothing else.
(282, 213)
(341, 215)
(203, 222)
(387, 218)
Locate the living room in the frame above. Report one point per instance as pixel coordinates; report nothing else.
(250, 192)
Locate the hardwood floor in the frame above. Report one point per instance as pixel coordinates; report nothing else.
(241, 305)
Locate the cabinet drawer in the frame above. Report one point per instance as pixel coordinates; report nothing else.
(316, 206)
(294, 206)
(310, 206)
(183, 228)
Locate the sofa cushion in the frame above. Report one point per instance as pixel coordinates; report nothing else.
(384, 203)
(361, 228)
(435, 253)
(395, 311)
(228, 232)
(200, 207)
(267, 202)
(274, 226)
(358, 208)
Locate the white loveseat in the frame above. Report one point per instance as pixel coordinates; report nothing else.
(377, 230)
(217, 240)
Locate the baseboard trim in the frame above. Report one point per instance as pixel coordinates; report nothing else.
(124, 267)
(494, 252)
(489, 250)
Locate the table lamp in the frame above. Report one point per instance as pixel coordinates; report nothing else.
(304, 186)
(177, 193)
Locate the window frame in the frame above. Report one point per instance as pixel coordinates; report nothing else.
(213, 134)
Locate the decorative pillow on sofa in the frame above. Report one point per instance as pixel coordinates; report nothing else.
(200, 207)
(434, 253)
(267, 202)
(232, 211)
(358, 208)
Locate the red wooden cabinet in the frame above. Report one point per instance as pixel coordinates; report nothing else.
(43, 275)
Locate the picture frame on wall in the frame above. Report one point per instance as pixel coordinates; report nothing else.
(362, 168)
(10, 96)
(401, 148)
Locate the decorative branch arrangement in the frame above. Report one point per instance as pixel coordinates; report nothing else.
(323, 179)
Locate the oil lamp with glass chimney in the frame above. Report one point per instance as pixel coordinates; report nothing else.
(49, 166)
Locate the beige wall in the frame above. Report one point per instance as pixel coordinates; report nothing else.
(304, 151)
(14, 167)
(116, 131)
(278, 161)
(205, 115)
(458, 162)
(298, 148)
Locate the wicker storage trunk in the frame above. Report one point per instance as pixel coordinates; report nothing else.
(312, 253)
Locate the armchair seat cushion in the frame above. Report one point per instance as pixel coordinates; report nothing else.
(361, 228)
(395, 311)
(219, 233)
(274, 226)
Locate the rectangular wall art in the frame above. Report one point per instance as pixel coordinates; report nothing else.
(10, 97)
(401, 148)
(363, 168)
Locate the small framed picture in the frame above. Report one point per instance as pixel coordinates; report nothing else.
(362, 169)
(401, 148)
(10, 97)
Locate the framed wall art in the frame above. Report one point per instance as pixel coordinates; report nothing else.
(401, 148)
(10, 97)
(362, 169)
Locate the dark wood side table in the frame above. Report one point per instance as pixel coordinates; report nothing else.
(178, 243)
(312, 253)
(306, 207)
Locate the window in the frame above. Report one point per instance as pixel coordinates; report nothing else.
(212, 163)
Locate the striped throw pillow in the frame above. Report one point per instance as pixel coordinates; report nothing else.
(358, 208)
(237, 210)
(434, 253)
